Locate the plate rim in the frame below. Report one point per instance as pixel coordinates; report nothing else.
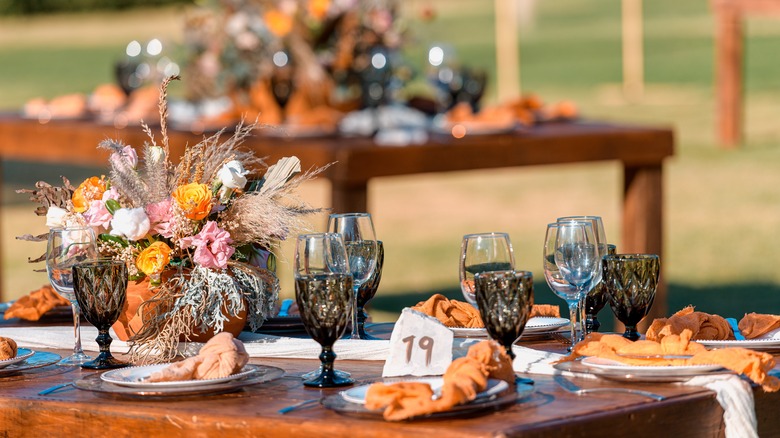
(691, 370)
(106, 377)
(18, 358)
(498, 387)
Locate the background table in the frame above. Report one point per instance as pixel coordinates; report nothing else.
(640, 150)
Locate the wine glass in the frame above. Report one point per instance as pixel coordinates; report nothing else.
(483, 253)
(567, 280)
(367, 291)
(324, 293)
(596, 299)
(601, 242)
(357, 231)
(631, 281)
(504, 300)
(66, 247)
(101, 289)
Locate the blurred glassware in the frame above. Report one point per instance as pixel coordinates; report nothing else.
(367, 291)
(596, 299)
(483, 252)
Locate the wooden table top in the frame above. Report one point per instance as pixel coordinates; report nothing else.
(252, 411)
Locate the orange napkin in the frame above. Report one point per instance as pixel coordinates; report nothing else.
(702, 325)
(7, 348)
(754, 325)
(454, 313)
(464, 379)
(220, 357)
(32, 306)
(753, 364)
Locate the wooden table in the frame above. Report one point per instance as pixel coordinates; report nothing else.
(640, 150)
(729, 15)
(549, 411)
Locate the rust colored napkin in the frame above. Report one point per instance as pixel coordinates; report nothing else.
(702, 326)
(7, 348)
(753, 364)
(464, 379)
(35, 304)
(755, 325)
(454, 313)
(220, 357)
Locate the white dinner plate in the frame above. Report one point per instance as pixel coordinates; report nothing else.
(468, 332)
(753, 344)
(648, 370)
(358, 393)
(21, 354)
(544, 324)
(135, 377)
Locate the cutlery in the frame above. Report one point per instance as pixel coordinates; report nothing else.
(299, 405)
(735, 327)
(574, 389)
(55, 388)
(285, 308)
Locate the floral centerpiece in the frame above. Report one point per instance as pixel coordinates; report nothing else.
(198, 234)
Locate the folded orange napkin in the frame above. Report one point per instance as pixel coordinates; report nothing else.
(7, 348)
(35, 304)
(754, 325)
(454, 313)
(753, 364)
(464, 379)
(702, 325)
(220, 357)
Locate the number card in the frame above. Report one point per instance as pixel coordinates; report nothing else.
(419, 346)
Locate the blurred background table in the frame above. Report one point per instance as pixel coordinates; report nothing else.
(640, 150)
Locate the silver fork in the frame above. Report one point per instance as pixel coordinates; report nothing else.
(570, 386)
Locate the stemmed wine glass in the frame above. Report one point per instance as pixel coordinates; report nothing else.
(357, 231)
(504, 299)
(631, 281)
(323, 291)
(483, 252)
(570, 260)
(101, 289)
(67, 247)
(601, 243)
(367, 291)
(596, 299)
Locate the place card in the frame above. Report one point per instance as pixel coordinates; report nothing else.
(420, 345)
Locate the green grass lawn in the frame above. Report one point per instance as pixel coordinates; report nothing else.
(722, 208)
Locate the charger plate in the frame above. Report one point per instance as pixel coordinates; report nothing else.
(21, 354)
(37, 359)
(135, 377)
(628, 373)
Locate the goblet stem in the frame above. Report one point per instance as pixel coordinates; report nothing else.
(631, 333)
(573, 308)
(329, 377)
(76, 328)
(355, 309)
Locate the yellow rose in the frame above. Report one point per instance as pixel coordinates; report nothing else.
(279, 23)
(194, 200)
(154, 258)
(90, 190)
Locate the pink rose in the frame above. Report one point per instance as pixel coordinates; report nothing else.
(98, 215)
(212, 246)
(160, 214)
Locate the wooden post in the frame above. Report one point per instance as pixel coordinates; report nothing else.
(633, 53)
(507, 50)
(728, 72)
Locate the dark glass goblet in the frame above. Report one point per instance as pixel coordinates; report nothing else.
(504, 300)
(630, 281)
(324, 302)
(596, 300)
(101, 289)
(367, 291)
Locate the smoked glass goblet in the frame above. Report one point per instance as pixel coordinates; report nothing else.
(101, 289)
(596, 300)
(504, 300)
(631, 281)
(367, 291)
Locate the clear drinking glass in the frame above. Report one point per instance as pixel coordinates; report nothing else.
(357, 232)
(601, 242)
(570, 259)
(67, 247)
(324, 293)
(483, 252)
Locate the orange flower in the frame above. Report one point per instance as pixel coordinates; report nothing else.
(90, 190)
(154, 258)
(194, 199)
(279, 23)
(318, 8)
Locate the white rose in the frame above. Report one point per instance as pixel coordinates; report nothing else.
(156, 154)
(232, 175)
(131, 223)
(55, 217)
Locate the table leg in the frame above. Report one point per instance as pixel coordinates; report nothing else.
(643, 224)
(349, 198)
(728, 71)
